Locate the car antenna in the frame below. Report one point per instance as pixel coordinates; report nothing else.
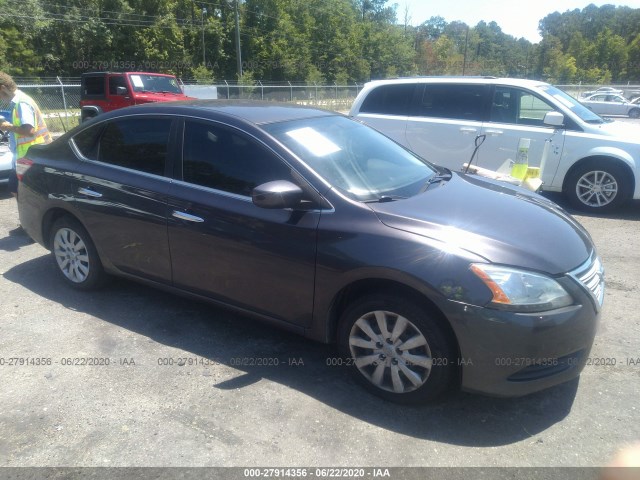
(478, 141)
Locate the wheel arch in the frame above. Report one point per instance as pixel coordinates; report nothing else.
(360, 288)
(50, 218)
(595, 159)
(53, 215)
(78, 261)
(89, 111)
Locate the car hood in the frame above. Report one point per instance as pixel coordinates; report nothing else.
(503, 224)
(625, 131)
(161, 97)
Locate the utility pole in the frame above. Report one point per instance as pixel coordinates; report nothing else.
(238, 52)
(464, 58)
(204, 56)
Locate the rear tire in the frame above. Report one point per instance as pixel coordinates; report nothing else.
(74, 255)
(597, 186)
(397, 349)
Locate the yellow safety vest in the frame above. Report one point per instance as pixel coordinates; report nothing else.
(41, 135)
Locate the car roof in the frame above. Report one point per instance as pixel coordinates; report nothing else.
(605, 94)
(103, 73)
(253, 111)
(516, 82)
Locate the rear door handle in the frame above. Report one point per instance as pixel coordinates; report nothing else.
(468, 130)
(89, 193)
(187, 217)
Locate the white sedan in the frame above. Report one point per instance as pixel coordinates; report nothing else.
(611, 104)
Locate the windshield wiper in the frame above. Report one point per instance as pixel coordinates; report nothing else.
(440, 177)
(386, 198)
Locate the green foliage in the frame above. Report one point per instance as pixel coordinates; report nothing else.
(600, 39)
(315, 41)
(202, 75)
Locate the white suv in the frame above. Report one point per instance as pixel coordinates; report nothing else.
(595, 162)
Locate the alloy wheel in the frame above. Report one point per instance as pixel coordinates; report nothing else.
(596, 188)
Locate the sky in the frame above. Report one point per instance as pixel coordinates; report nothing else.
(518, 18)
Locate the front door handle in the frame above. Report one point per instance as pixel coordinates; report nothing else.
(468, 130)
(89, 193)
(187, 217)
(492, 132)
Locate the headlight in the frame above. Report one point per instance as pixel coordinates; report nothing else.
(520, 290)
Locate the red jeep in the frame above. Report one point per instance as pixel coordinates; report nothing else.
(106, 91)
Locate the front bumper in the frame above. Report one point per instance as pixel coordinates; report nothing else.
(513, 354)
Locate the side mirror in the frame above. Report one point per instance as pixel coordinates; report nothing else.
(554, 119)
(121, 91)
(277, 194)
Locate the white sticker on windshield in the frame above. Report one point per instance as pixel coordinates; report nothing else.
(315, 142)
(137, 81)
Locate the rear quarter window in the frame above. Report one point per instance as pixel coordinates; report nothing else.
(389, 99)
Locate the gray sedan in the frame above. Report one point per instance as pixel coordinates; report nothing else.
(611, 104)
(426, 279)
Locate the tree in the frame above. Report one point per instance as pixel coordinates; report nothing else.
(611, 52)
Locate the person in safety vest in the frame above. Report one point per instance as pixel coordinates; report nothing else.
(26, 126)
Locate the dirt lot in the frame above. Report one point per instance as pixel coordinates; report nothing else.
(129, 376)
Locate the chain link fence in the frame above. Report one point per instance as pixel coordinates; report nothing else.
(59, 99)
(59, 103)
(334, 97)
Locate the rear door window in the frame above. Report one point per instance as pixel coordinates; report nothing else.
(137, 143)
(458, 102)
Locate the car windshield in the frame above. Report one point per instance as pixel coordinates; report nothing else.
(155, 83)
(360, 162)
(572, 104)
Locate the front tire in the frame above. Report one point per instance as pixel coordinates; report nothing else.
(634, 113)
(397, 349)
(597, 187)
(74, 254)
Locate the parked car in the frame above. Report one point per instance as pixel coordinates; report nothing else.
(426, 279)
(611, 104)
(6, 157)
(596, 163)
(106, 91)
(610, 90)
